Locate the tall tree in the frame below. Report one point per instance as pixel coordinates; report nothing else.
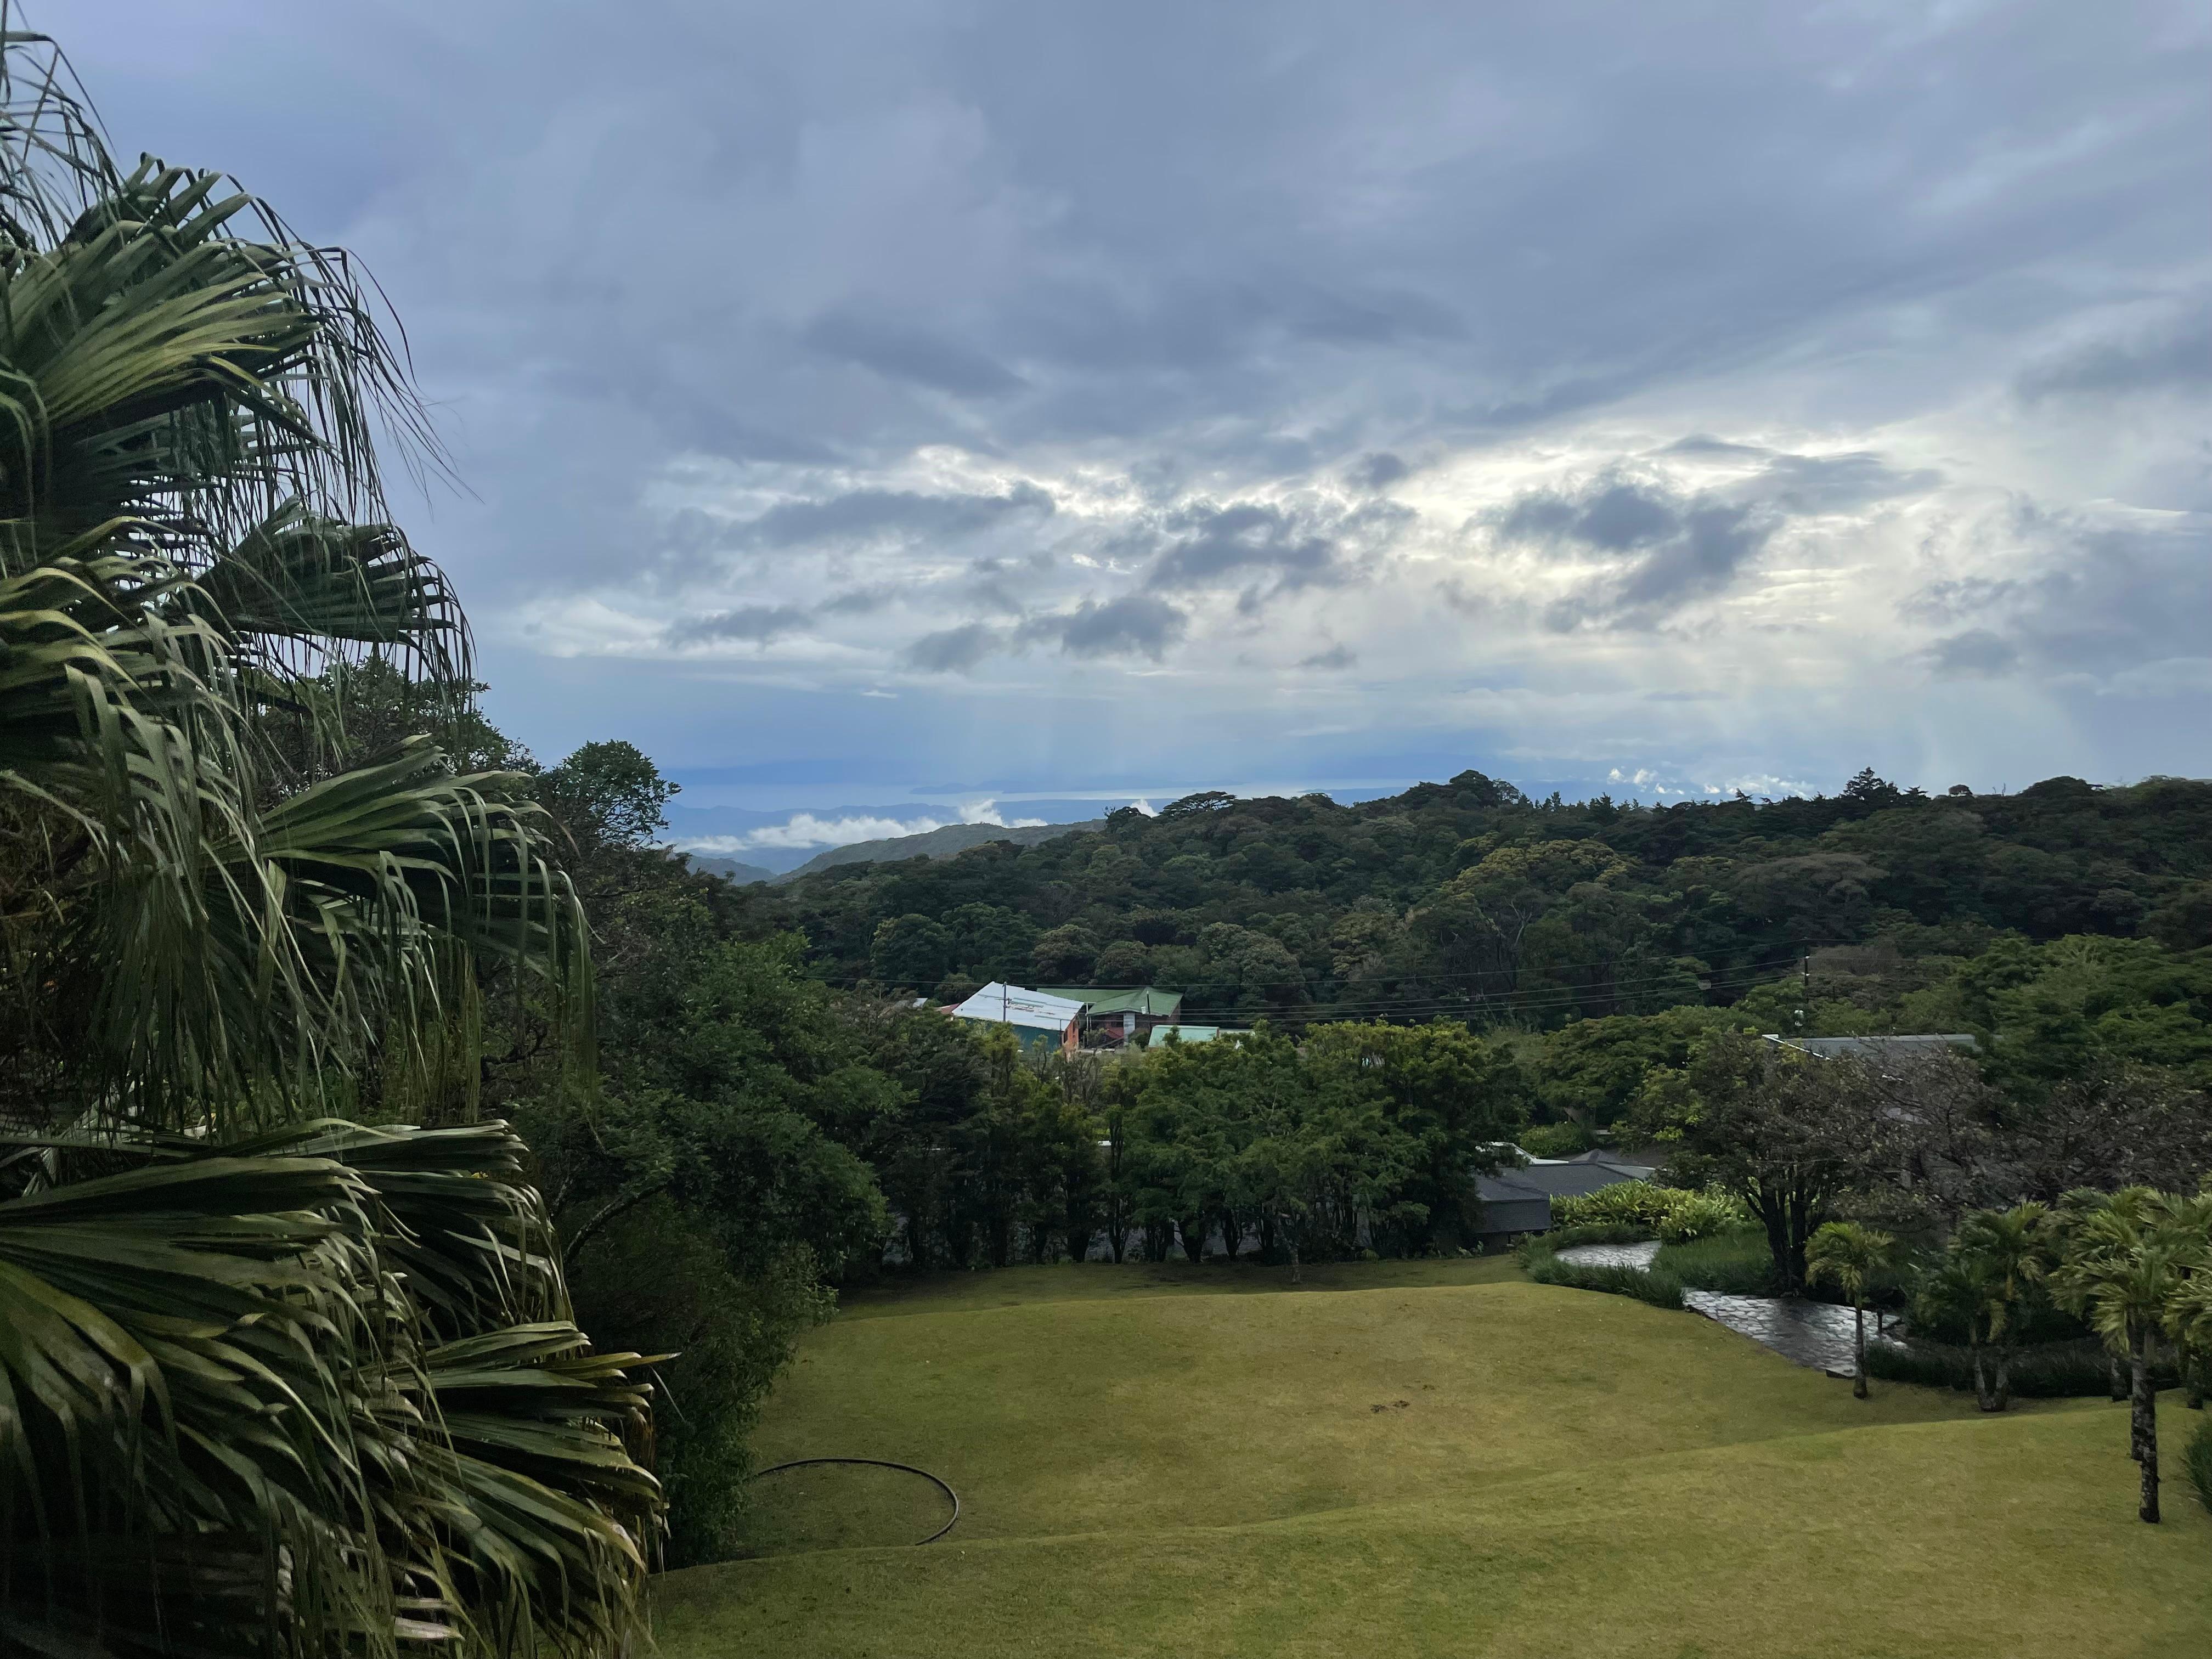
(2125, 1267)
(1789, 1134)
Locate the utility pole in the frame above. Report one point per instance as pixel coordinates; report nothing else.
(1804, 989)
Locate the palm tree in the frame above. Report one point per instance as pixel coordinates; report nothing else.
(2125, 1267)
(2005, 1255)
(2189, 1313)
(1851, 1256)
(2064, 1225)
(269, 1380)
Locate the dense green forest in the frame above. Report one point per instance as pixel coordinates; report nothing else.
(1468, 899)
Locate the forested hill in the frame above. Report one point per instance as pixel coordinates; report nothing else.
(1468, 897)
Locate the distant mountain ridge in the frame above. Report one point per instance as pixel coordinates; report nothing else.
(730, 870)
(932, 844)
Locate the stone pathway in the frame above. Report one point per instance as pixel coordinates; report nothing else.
(1814, 1333)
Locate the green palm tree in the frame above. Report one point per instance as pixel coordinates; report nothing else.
(2188, 1312)
(269, 1382)
(2125, 1267)
(1851, 1257)
(2006, 1256)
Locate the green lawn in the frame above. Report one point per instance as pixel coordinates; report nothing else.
(1148, 1469)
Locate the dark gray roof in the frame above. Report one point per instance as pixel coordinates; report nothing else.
(1574, 1180)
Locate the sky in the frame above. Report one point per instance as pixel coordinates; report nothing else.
(894, 414)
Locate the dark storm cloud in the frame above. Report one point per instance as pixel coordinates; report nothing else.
(758, 623)
(2174, 356)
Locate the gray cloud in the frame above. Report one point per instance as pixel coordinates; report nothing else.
(878, 516)
(809, 238)
(1667, 549)
(1209, 545)
(1836, 483)
(758, 623)
(1379, 471)
(915, 355)
(1977, 653)
(2174, 356)
(1135, 624)
(2094, 598)
(955, 650)
(1337, 656)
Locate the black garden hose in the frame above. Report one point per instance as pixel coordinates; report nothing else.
(881, 1463)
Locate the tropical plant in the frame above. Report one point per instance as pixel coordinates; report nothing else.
(1993, 1267)
(2125, 1267)
(269, 1382)
(1703, 1215)
(2196, 1458)
(1636, 1202)
(1851, 1257)
(2189, 1311)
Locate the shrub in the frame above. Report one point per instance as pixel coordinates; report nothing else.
(1735, 1263)
(1655, 1209)
(2196, 1460)
(1597, 1232)
(1555, 1140)
(1661, 1290)
(2053, 1370)
(1703, 1215)
(1637, 1202)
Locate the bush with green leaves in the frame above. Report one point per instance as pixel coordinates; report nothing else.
(1703, 1215)
(2197, 1459)
(2047, 1370)
(1637, 1202)
(1732, 1264)
(1661, 1290)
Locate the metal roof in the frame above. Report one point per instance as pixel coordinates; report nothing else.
(1011, 1005)
(1158, 1037)
(1120, 1000)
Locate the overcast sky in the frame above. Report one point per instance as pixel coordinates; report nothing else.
(1018, 400)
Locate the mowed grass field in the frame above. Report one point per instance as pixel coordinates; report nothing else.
(1416, 1458)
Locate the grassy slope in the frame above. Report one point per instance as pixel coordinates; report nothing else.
(1183, 1473)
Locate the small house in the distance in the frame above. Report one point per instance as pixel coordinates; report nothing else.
(1123, 1013)
(1036, 1018)
(1518, 1200)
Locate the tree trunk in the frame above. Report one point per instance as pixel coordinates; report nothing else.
(1230, 1233)
(1982, 1397)
(2142, 1421)
(2004, 1377)
(1291, 1238)
(1776, 1220)
(2193, 1365)
(1858, 1343)
(1192, 1230)
(2112, 1377)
